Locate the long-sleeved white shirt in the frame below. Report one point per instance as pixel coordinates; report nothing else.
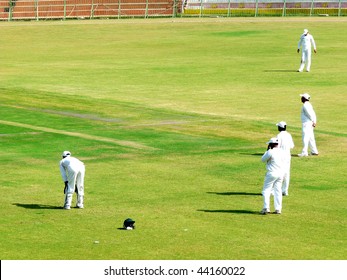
(69, 164)
(307, 113)
(274, 160)
(285, 142)
(306, 42)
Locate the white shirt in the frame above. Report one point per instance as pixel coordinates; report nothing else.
(306, 41)
(274, 160)
(69, 164)
(285, 142)
(307, 113)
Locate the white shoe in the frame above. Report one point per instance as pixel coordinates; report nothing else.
(302, 155)
(80, 206)
(299, 70)
(67, 208)
(277, 212)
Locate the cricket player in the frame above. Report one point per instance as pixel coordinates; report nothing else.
(72, 171)
(274, 160)
(309, 121)
(286, 143)
(306, 42)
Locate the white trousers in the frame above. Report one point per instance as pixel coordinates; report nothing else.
(272, 182)
(286, 177)
(308, 140)
(305, 59)
(75, 179)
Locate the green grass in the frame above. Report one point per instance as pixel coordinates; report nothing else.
(171, 118)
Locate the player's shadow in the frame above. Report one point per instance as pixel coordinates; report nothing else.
(231, 211)
(280, 70)
(234, 193)
(37, 206)
(253, 154)
(260, 154)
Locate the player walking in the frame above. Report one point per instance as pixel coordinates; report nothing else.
(306, 42)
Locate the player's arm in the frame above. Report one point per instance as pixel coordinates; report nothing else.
(309, 112)
(266, 156)
(299, 44)
(314, 45)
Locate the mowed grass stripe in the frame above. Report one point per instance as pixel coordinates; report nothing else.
(129, 144)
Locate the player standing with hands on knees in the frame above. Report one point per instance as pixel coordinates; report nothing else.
(72, 171)
(274, 160)
(309, 122)
(306, 42)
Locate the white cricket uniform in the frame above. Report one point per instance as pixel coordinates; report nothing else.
(274, 160)
(306, 42)
(308, 118)
(73, 170)
(286, 143)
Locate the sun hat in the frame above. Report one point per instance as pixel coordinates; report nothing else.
(66, 153)
(273, 140)
(281, 124)
(306, 96)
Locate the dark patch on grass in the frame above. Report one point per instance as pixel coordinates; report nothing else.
(37, 206)
(232, 211)
(234, 193)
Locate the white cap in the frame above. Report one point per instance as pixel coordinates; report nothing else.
(273, 140)
(281, 124)
(66, 153)
(306, 96)
(305, 31)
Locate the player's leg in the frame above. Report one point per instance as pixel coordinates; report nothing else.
(80, 188)
(286, 179)
(267, 188)
(70, 189)
(312, 143)
(305, 138)
(303, 60)
(278, 194)
(308, 64)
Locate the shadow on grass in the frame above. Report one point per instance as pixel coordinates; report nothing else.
(254, 154)
(234, 193)
(37, 206)
(280, 70)
(122, 228)
(294, 155)
(261, 154)
(230, 211)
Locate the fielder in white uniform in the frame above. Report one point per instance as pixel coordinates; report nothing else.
(309, 121)
(72, 171)
(286, 143)
(274, 160)
(306, 42)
